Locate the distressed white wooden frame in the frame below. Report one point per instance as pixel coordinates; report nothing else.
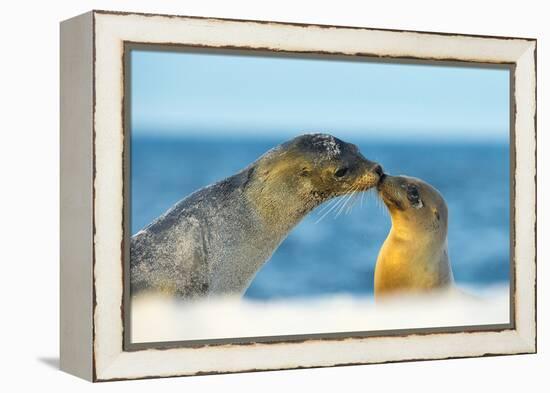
(92, 194)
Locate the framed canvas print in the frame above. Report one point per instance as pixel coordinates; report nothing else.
(245, 195)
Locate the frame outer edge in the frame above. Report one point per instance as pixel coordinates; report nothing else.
(524, 339)
(526, 130)
(76, 172)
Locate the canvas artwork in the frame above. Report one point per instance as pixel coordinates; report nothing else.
(242, 195)
(274, 196)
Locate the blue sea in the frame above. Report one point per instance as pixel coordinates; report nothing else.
(337, 254)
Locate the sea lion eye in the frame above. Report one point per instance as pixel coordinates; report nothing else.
(341, 172)
(413, 196)
(412, 192)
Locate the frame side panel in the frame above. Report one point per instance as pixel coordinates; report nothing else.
(76, 179)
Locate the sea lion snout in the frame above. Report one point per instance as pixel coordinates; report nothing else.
(355, 173)
(373, 173)
(403, 192)
(390, 190)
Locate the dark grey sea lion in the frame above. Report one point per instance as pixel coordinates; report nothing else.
(215, 240)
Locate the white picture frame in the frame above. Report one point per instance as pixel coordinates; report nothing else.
(93, 192)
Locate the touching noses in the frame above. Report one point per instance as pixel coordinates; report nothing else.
(378, 170)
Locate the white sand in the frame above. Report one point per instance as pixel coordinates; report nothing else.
(157, 318)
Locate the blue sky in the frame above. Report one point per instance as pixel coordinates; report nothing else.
(199, 94)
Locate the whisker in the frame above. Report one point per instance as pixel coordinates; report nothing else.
(339, 201)
(343, 198)
(381, 206)
(345, 203)
(352, 204)
(328, 204)
(334, 201)
(353, 201)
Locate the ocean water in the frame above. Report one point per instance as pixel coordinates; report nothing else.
(336, 256)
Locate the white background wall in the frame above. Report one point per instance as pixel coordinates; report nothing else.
(29, 194)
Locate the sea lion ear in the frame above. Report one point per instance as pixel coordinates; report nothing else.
(436, 214)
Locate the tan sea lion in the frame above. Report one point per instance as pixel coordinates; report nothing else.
(215, 240)
(414, 256)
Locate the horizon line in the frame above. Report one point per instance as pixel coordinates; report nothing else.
(386, 136)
